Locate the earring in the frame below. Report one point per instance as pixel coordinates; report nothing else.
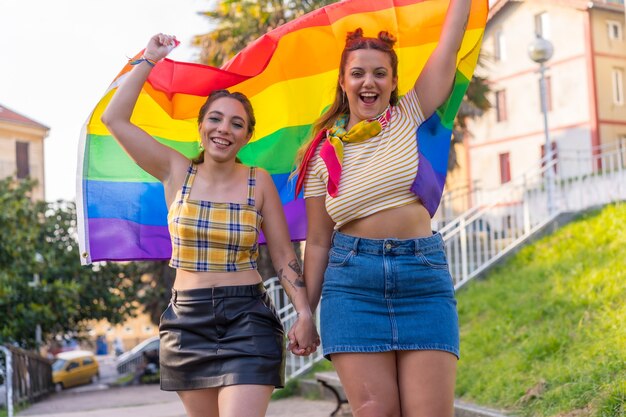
(201, 147)
(343, 98)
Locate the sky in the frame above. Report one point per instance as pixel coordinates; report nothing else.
(57, 58)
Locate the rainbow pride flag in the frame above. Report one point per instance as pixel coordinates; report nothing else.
(289, 74)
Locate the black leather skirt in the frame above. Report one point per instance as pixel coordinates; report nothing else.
(214, 337)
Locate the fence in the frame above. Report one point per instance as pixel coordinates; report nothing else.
(27, 376)
(505, 217)
(295, 365)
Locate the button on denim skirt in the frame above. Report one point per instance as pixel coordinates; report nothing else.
(381, 295)
(214, 337)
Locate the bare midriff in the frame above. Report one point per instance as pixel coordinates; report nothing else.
(186, 280)
(404, 222)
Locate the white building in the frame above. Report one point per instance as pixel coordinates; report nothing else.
(585, 90)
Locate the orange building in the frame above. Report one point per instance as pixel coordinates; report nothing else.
(21, 148)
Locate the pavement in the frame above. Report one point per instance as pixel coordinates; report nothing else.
(101, 400)
(150, 401)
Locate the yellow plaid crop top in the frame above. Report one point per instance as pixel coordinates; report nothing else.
(215, 237)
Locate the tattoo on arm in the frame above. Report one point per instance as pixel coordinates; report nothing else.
(295, 267)
(282, 278)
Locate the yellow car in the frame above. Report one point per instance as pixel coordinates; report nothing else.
(73, 368)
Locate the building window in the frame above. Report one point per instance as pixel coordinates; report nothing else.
(501, 106)
(618, 86)
(499, 46)
(505, 168)
(555, 155)
(22, 160)
(542, 25)
(548, 94)
(614, 30)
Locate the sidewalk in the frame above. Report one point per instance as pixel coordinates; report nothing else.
(150, 401)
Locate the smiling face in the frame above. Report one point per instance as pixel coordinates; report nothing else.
(224, 129)
(368, 82)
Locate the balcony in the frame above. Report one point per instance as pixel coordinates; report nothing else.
(9, 168)
(610, 2)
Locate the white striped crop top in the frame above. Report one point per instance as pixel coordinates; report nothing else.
(377, 174)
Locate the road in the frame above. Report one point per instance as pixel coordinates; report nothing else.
(150, 401)
(99, 400)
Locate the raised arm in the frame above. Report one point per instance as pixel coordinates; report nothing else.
(436, 79)
(154, 157)
(319, 233)
(285, 263)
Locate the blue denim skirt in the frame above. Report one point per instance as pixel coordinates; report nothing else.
(382, 295)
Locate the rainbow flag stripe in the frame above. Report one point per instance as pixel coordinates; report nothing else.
(289, 74)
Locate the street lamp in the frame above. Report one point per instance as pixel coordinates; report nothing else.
(540, 50)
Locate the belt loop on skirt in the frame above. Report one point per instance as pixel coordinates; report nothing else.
(416, 246)
(174, 296)
(355, 247)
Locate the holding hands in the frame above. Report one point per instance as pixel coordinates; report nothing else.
(303, 336)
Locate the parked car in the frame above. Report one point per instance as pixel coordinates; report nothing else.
(130, 360)
(74, 368)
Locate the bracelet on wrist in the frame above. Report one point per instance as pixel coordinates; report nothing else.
(142, 59)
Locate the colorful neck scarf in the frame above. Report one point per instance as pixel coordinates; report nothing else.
(332, 149)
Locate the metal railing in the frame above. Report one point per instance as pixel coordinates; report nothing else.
(615, 2)
(507, 216)
(27, 376)
(295, 365)
(8, 168)
(129, 361)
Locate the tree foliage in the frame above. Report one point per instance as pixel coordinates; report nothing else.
(239, 22)
(154, 287)
(41, 279)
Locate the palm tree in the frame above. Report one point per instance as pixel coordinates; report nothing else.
(474, 104)
(239, 22)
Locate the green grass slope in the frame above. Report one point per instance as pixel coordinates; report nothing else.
(545, 333)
